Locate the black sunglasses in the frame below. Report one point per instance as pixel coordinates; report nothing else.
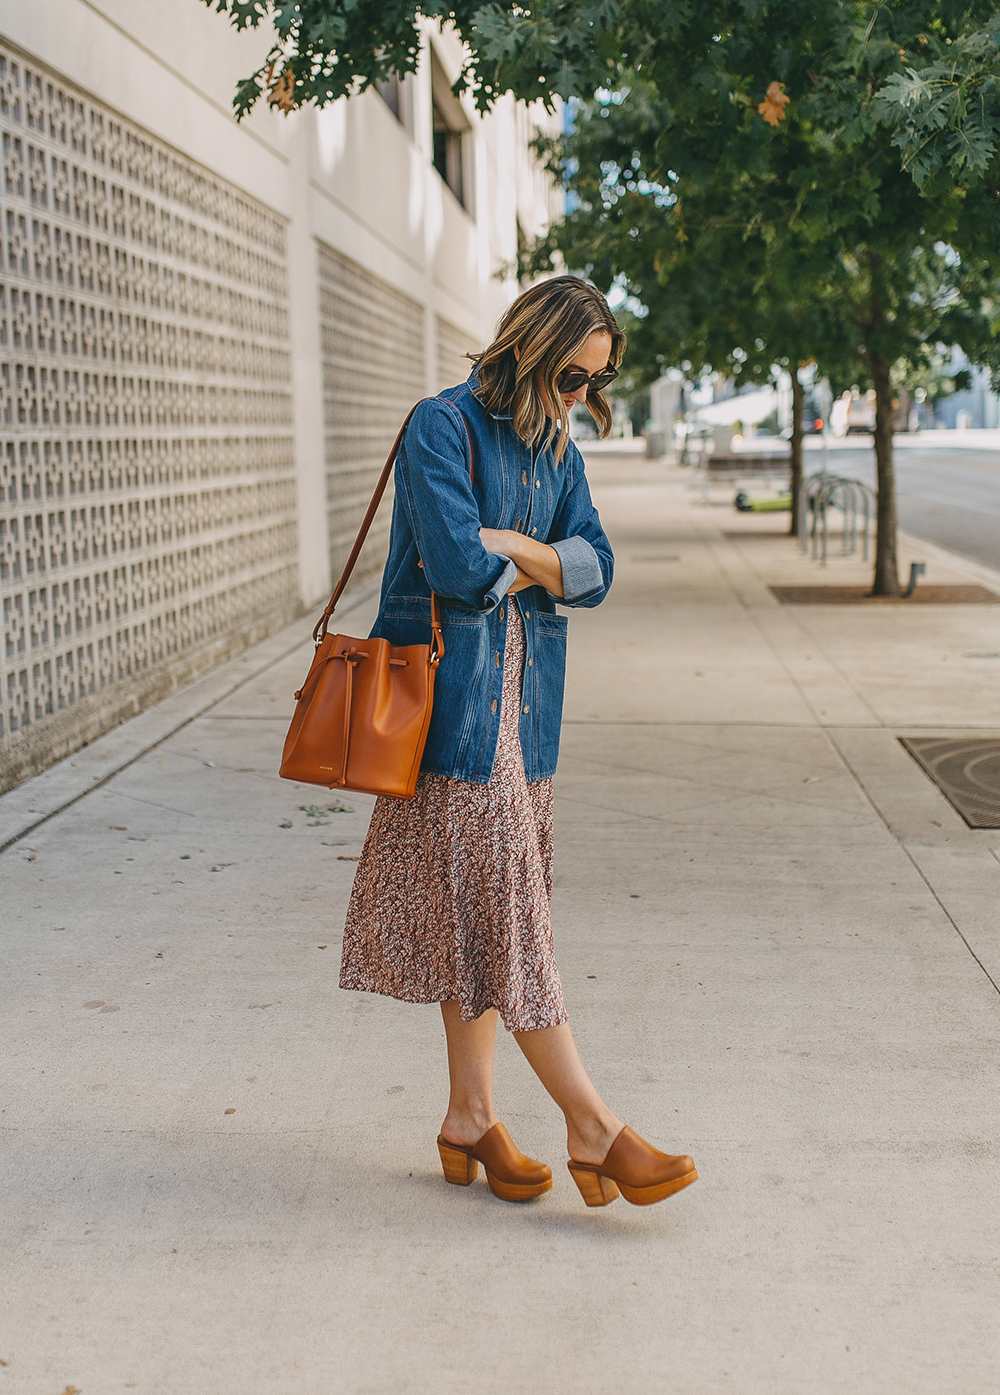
(573, 379)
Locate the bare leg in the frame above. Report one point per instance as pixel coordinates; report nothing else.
(470, 1069)
(591, 1128)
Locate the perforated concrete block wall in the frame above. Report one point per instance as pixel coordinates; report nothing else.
(147, 494)
(373, 372)
(452, 346)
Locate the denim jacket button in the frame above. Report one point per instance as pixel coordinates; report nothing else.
(534, 531)
(538, 484)
(527, 709)
(498, 658)
(527, 615)
(501, 612)
(530, 662)
(494, 704)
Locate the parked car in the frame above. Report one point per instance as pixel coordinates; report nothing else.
(861, 412)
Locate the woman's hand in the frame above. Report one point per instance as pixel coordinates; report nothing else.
(538, 562)
(522, 583)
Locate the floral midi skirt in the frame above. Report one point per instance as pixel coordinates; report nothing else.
(453, 892)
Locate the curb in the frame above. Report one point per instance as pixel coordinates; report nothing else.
(978, 570)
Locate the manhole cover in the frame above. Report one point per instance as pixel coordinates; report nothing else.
(967, 772)
(861, 595)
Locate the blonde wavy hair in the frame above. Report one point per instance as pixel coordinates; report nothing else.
(548, 325)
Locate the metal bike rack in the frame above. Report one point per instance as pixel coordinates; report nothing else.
(822, 492)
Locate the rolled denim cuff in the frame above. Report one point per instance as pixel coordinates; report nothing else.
(501, 586)
(581, 570)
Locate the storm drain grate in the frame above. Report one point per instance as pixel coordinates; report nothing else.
(966, 771)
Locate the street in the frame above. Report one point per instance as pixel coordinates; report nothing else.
(948, 494)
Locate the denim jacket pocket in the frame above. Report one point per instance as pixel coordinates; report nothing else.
(397, 607)
(418, 608)
(404, 620)
(454, 615)
(549, 671)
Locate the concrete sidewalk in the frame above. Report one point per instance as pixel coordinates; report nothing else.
(780, 950)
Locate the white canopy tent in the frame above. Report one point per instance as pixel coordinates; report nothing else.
(749, 408)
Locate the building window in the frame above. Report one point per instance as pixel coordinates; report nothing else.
(451, 129)
(448, 154)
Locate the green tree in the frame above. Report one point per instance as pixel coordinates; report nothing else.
(327, 49)
(796, 124)
(941, 101)
(714, 290)
(943, 109)
(787, 183)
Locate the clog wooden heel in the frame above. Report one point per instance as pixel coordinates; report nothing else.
(641, 1173)
(511, 1175)
(460, 1167)
(595, 1189)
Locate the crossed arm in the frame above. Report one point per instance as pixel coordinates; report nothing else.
(537, 563)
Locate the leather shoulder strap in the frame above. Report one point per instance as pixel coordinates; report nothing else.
(324, 620)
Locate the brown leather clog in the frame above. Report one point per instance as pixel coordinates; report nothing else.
(511, 1175)
(635, 1168)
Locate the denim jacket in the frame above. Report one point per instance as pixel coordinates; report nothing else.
(435, 544)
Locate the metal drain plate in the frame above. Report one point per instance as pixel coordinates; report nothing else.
(966, 771)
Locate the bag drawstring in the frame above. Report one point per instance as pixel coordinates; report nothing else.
(351, 658)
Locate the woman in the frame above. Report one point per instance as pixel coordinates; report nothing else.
(451, 901)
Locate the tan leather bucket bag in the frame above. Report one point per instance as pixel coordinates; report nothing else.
(363, 712)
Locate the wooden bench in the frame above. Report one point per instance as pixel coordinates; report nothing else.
(746, 465)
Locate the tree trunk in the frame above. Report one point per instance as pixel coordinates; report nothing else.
(798, 406)
(886, 581)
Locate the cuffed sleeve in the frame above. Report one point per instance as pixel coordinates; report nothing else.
(501, 586)
(581, 569)
(588, 564)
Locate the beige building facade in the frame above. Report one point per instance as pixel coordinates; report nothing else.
(209, 334)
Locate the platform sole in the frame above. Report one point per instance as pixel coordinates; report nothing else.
(598, 1190)
(516, 1191)
(648, 1196)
